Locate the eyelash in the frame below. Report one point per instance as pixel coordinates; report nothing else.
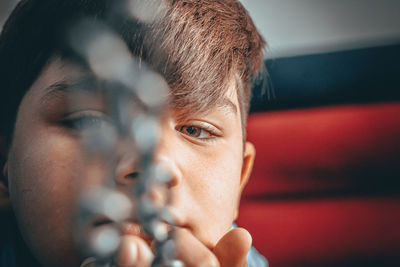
(202, 128)
(84, 122)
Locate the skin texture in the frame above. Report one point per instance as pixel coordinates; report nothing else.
(47, 168)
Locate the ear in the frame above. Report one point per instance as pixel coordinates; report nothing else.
(4, 192)
(249, 155)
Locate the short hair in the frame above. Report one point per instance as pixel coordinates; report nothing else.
(204, 45)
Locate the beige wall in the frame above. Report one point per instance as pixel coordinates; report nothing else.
(294, 27)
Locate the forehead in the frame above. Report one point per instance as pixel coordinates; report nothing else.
(61, 77)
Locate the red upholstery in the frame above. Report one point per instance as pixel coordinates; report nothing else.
(325, 189)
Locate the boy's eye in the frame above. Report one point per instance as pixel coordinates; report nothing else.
(196, 132)
(85, 122)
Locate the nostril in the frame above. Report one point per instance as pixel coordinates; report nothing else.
(129, 178)
(133, 175)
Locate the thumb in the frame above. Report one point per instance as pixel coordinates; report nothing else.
(232, 248)
(133, 251)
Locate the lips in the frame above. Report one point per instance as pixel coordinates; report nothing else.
(132, 228)
(135, 229)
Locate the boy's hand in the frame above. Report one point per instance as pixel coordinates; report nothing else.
(231, 250)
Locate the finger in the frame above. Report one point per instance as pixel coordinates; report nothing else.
(191, 251)
(133, 251)
(231, 250)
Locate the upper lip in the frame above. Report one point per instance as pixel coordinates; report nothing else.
(132, 227)
(125, 228)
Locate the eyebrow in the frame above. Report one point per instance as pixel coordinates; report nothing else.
(92, 85)
(83, 84)
(89, 84)
(86, 84)
(227, 103)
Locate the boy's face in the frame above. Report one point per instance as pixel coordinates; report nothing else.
(47, 164)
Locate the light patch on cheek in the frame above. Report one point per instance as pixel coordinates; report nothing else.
(48, 164)
(44, 196)
(42, 172)
(222, 195)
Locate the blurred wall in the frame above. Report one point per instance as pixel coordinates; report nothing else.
(293, 27)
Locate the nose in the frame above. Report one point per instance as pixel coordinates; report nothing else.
(127, 172)
(166, 154)
(169, 166)
(127, 169)
(165, 158)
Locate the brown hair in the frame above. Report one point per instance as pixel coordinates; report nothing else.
(200, 47)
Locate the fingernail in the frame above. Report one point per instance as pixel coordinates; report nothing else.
(128, 252)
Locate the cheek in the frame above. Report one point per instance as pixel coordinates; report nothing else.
(221, 177)
(215, 186)
(43, 170)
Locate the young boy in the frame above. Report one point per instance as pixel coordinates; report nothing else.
(206, 51)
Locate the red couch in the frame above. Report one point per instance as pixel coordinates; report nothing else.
(325, 187)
